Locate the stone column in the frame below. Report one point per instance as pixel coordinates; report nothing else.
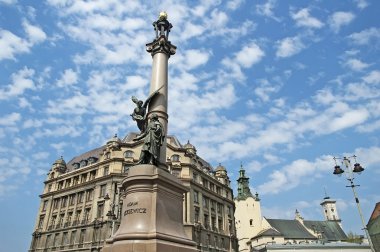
(160, 49)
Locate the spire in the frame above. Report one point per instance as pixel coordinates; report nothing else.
(243, 185)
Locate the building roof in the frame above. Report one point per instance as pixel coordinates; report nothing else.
(92, 153)
(331, 230)
(268, 232)
(290, 229)
(293, 229)
(376, 212)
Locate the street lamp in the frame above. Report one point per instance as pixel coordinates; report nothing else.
(349, 171)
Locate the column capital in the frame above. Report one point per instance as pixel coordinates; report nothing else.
(161, 45)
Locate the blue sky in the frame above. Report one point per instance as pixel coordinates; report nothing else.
(281, 86)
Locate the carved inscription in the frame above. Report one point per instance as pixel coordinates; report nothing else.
(134, 210)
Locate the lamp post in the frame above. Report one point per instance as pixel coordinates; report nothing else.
(349, 172)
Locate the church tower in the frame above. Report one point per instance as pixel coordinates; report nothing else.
(330, 210)
(247, 213)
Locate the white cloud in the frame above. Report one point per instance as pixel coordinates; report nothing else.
(266, 10)
(249, 55)
(289, 46)
(339, 19)
(21, 81)
(135, 82)
(234, 4)
(10, 45)
(365, 37)
(304, 19)
(35, 34)
(10, 119)
(361, 4)
(265, 89)
(8, 2)
(68, 78)
(356, 64)
(373, 77)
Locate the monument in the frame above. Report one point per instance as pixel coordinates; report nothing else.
(152, 214)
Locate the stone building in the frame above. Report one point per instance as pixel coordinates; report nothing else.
(258, 233)
(374, 227)
(81, 207)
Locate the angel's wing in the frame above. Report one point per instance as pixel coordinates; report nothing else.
(135, 100)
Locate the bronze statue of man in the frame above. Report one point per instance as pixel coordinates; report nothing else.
(153, 139)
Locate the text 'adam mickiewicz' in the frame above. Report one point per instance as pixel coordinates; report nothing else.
(135, 210)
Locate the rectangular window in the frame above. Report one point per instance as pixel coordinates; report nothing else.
(64, 202)
(73, 236)
(196, 197)
(82, 236)
(206, 221)
(68, 183)
(41, 221)
(44, 205)
(218, 190)
(196, 214)
(92, 175)
(205, 202)
(195, 177)
(86, 216)
(213, 204)
(106, 170)
(49, 188)
(205, 182)
(83, 178)
(64, 239)
(220, 208)
(220, 224)
(60, 185)
(80, 197)
(213, 223)
(100, 210)
(71, 199)
(69, 218)
(55, 203)
(89, 195)
(47, 243)
(212, 187)
(56, 240)
(76, 180)
(102, 191)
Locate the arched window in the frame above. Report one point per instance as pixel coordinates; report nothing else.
(128, 154)
(76, 165)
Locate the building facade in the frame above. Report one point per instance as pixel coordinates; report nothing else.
(81, 205)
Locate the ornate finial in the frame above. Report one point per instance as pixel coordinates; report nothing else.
(161, 43)
(162, 25)
(163, 15)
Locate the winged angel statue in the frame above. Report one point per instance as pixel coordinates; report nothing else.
(139, 113)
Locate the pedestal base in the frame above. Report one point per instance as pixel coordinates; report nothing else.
(152, 214)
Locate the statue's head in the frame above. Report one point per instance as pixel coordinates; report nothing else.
(140, 103)
(163, 15)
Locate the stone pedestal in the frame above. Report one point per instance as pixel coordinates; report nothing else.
(152, 213)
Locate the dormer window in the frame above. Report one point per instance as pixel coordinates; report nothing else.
(83, 163)
(128, 154)
(175, 158)
(76, 165)
(92, 160)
